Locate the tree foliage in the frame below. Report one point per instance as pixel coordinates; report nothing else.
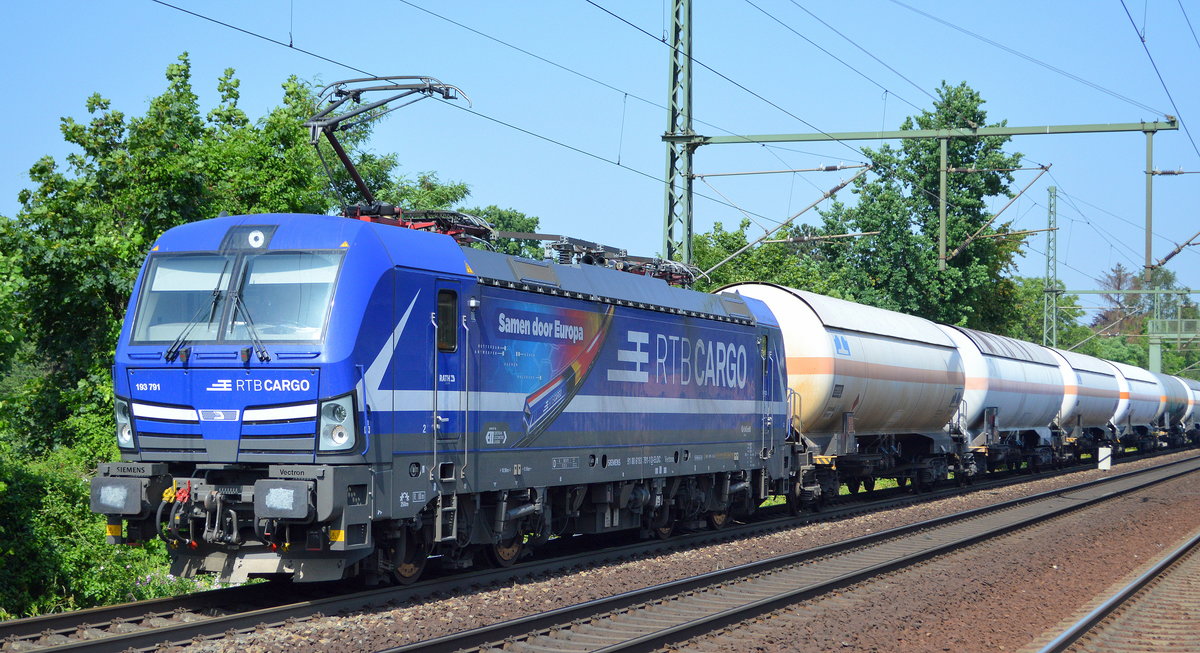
(1120, 328)
(900, 264)
(898, 267)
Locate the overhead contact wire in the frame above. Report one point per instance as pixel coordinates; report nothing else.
(1178, 115)
(830, 54)
(481, 115)
(1029, 58)
(732, 81)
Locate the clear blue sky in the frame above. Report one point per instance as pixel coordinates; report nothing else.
(59, 52)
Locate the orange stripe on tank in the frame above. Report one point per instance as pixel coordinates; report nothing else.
(799, 366)
(1005, 385)
(1124, 395)
(814, 365)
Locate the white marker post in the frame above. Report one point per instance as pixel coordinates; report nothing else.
(1104, 458)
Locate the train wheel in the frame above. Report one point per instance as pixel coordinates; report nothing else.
(409, 558)
(795, 498)
(506, 552)
(852, 486)
(717, 520)
(869, 484)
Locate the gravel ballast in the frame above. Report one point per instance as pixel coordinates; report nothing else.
(996, 596)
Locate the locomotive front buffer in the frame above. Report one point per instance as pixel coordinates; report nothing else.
(310, 521)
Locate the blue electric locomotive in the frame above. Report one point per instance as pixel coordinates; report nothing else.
(323, 397)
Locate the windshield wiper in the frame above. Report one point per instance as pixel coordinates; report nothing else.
(173, 350)
(259, 349)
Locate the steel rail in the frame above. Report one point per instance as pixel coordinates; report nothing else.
(1119, 598)
(640, 603)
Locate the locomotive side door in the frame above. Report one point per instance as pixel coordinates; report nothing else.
(449, 419)
(767, 395)
(449, 404)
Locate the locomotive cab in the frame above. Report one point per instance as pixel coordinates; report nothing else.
(244, 432)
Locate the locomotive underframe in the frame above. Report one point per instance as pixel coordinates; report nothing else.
(320, 522)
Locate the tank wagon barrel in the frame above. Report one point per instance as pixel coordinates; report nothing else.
(1191, 418)
(876, 389)
(1143, 401)
(1014, 389)
(1091, 392)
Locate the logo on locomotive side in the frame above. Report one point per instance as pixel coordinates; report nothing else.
(637, 356)
(684, 361)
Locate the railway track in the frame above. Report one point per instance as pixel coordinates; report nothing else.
(675, 612)
(1158, 611)
(145, 624)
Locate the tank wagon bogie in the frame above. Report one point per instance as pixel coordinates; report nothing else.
(322, 397)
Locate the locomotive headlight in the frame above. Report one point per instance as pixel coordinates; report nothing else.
(337, 428)
(338, 436)
(335, 412)
(124, 428)
(125, 436)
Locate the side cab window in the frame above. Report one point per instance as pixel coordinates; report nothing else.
(447, 321)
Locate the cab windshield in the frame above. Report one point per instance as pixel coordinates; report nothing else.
(284, 297)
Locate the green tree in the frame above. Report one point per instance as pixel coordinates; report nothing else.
(83, 230)
(897, 268)
(797, 265)
(68, 262)
(1030, 299)
(510, 220)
